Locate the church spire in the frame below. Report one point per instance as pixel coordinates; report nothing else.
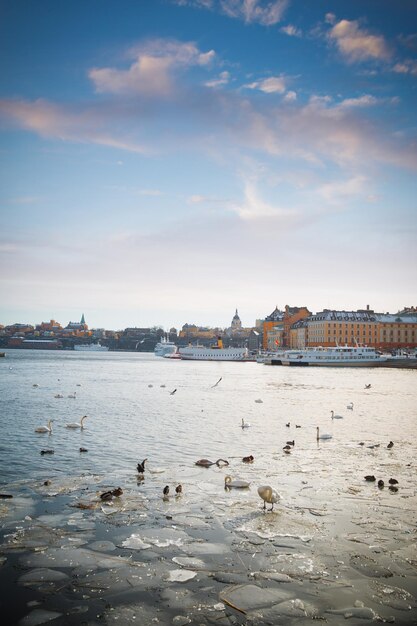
(82, 319)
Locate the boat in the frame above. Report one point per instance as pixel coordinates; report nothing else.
(340, 356)
(165, 347)
(214, 353)
(90, 347)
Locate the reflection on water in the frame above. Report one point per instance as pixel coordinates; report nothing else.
(334, 547)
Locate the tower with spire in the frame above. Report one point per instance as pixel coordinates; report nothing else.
(236, 324)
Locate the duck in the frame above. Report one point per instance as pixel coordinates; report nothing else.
(287, 447)
(45, 429)
(297, 426)
(83, 450)
(248, 459)
(370, 478)
(207, 463)
(393, 488)
(229, 483)
(117, 492)
(259, 401)
(268, 495)
(47, 452)
(78, 424)
(291, 443)
(245, 424)
(106, 496)
(178, 489)
(336, 417)
(288, 424)
(350, 406)
(393, 481)
(323, 436)
(390, 445)
(380, 484)
(141, 467)
(166, 490)
(58, 395)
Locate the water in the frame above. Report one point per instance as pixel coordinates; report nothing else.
(335, 547)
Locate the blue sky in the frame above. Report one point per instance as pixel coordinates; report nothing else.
(166, 161)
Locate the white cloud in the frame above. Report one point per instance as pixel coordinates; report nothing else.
(152, 68)
(357, 44)
(291, 31)
(255, 208)
(222, 79)
(274, 84)
(290, 96)
(408, 66)
(255, 11)
(362, 101)
(337, 192)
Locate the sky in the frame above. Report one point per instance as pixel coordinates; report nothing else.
(165, 162)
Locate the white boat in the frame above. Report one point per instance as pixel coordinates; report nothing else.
(337, 356)
(164, 347)
(214, 353)
(90, 347)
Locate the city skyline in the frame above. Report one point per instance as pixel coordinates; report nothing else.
(167, 161)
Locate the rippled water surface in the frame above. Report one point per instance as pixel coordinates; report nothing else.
(335, 547)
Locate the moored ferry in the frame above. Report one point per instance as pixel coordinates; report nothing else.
(340, 356)
(214, 353)
(90, 347)
(165, 347)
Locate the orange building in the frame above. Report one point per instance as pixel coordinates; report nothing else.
(281, 321)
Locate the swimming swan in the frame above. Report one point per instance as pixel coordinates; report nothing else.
(237, 484)
(207, 463)
(45, 429)
(245, 424)
(268, 495)
(78, 424)
(72, 395)
(323, 436)
(336, 417)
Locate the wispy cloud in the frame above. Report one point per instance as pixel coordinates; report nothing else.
(152, 68)
(408, 66)
(256, 208)
(87, 125)
(274, 84)
(222, 79)
(356, 43)
(291, 31)
(265, 12)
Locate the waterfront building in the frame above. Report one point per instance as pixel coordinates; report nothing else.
(77, 326)
(396, 331)
(277, 325)
(331, 328)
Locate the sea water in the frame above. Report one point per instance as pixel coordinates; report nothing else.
(335, 546)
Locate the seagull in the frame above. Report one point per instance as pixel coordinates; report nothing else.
(215, 385)
(172, 392)
(268, 495)
(350, 406)
(368, 386)
(45, 429)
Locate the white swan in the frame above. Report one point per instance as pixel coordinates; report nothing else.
(245, 424)
(350, 406)
(237, 484)
(336, 417)
(72, 395)
(268, 495)
(78, 424)
(324, 435)
(45, 429)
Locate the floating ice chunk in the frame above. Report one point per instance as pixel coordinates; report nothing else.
(362, 612)
(42, 575)
(248, 597)
(189, 561)
(102, 546)
(181, 620)
(277, 576)
(38, 616)
(180, 575)
(134, 542)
